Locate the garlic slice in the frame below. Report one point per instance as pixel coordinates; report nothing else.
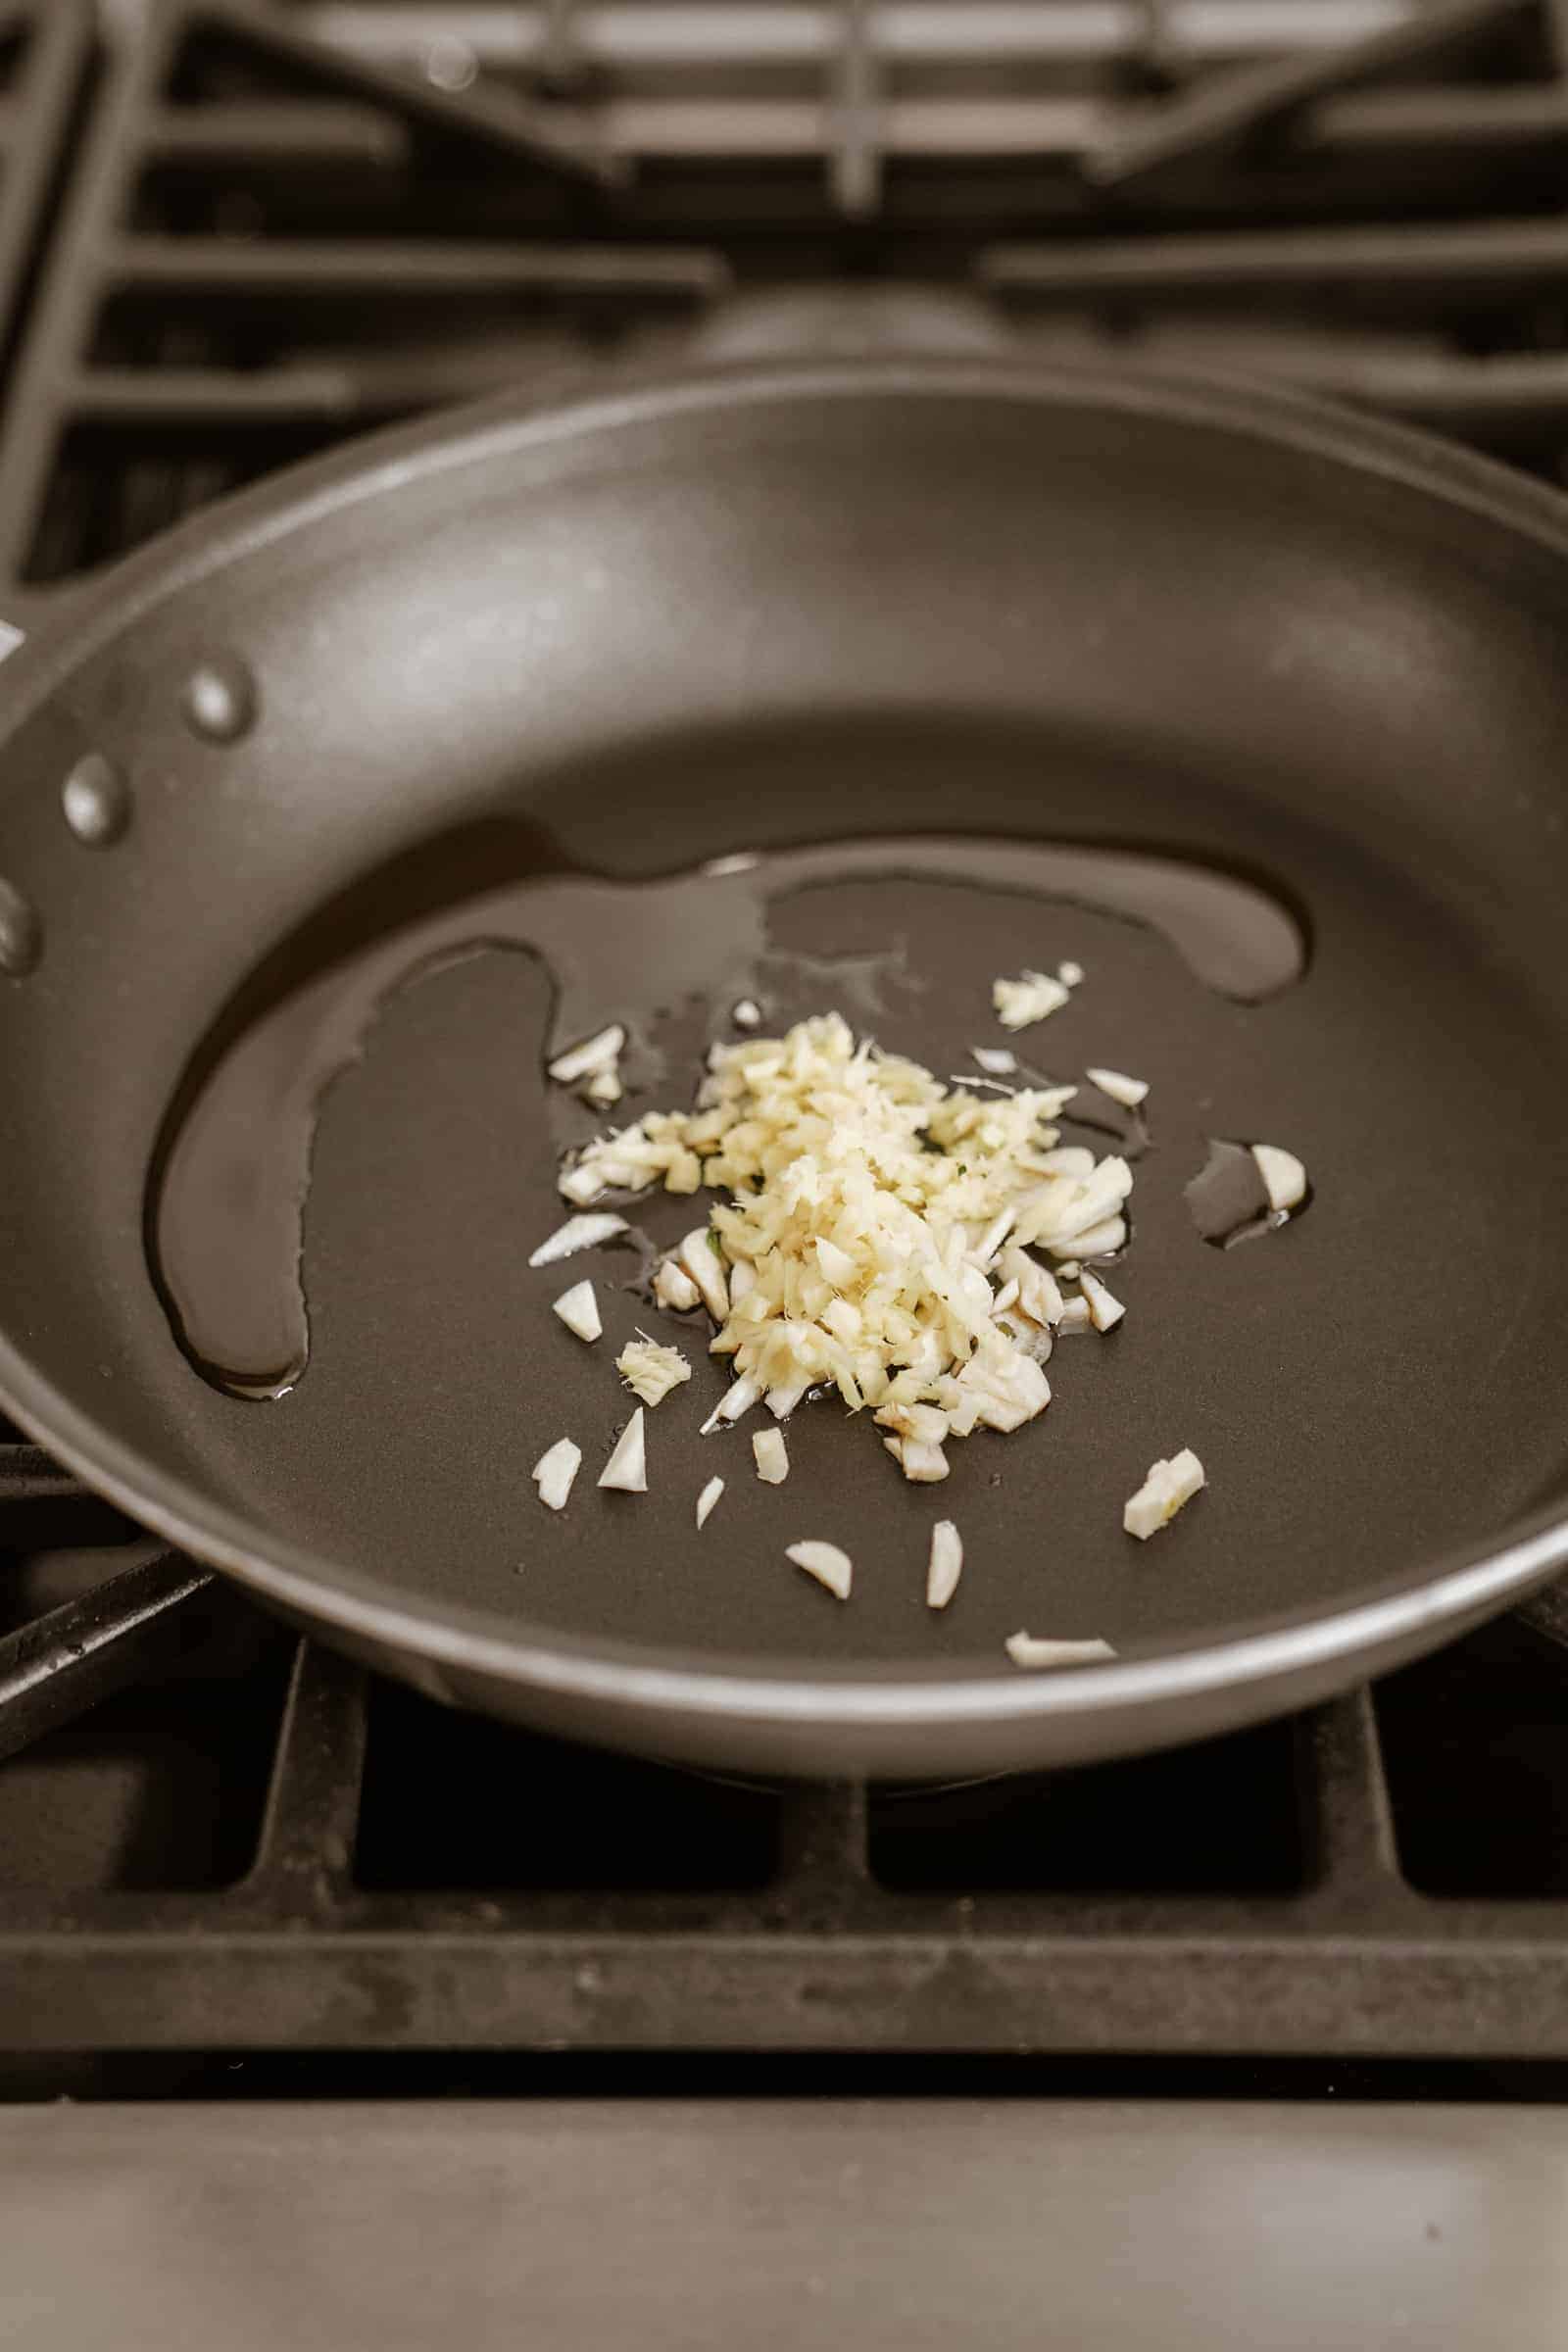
(946, 1564)
(674, 1288)
(555, 1471)
(579, 1310)
(1031, 997)
(626, 1470)
(1168, 1485)
(1284, 1176)
(738, 1398)
(702, 1262)
(592, 1055)
(923, 1464)
(1128, 1091)
(706, 1500)
(830, 1566)
(578, 1233)
(772, 1460)
(1026, 1650)
(1105, 1310)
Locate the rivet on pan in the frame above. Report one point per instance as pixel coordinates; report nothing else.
(220, 700)
(21, 933)
(96, 800)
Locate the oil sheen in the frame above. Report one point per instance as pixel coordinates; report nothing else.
(229, 1179)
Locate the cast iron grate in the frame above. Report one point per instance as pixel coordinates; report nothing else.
(44, 53)
(212, 1836)
(290, 222)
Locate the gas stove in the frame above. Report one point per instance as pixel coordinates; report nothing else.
(235, 1868)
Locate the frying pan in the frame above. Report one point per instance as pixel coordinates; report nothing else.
(731, 613)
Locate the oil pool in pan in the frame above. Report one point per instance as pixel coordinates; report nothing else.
(230, 1182)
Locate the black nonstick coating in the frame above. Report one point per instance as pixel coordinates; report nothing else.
(750, 611)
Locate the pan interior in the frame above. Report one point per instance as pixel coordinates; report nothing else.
(1367, 1386)
(849, 609)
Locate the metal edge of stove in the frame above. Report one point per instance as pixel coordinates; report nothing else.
(899, 2224)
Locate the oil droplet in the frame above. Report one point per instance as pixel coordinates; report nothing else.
(21, 933)
(220, 700)
(228, 1181)
(96, 800)
(1229, 1199)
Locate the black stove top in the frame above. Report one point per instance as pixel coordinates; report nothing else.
(233, 234)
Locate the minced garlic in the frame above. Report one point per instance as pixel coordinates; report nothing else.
(772, 1460)
(706, 1500)
(1168, 1485)
(824, 1561)
(1031, 997)
(579, 1310)
(874, 1220)
(946, 1564)
(651, 1371)
(1031, 1649)
(626, 1470)
(555, 1471)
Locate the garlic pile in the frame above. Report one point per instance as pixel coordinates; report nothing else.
(877, 1232)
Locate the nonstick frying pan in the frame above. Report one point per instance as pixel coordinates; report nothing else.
(733, 614)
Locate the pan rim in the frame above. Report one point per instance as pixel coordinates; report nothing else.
(647, 1677)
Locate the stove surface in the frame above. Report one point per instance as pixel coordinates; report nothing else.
(889, 2226)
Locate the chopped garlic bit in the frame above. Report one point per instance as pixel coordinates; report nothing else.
(1105, 1311)
(555, 1471)
(579, 1310)
(1025, 1649)
(1128, 1091)
(738, 1399)
(604, 1087)
(595, 1056)
(772, 1463)
(626, 1470)
(922, 1464)
(1162, 1493)
(746, 1015)
(1031, 997)
(946, 1564)
(1070, 974)
(824, 1561)
(577, 1233)
(998, 1061)
(674, 1288)
(706, 1500)
(582, 1183)
(877, 1232)
(701, 1261)
(651, 1371)
(1284, 1176)
(1100, 1241)
(1074, 1315)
